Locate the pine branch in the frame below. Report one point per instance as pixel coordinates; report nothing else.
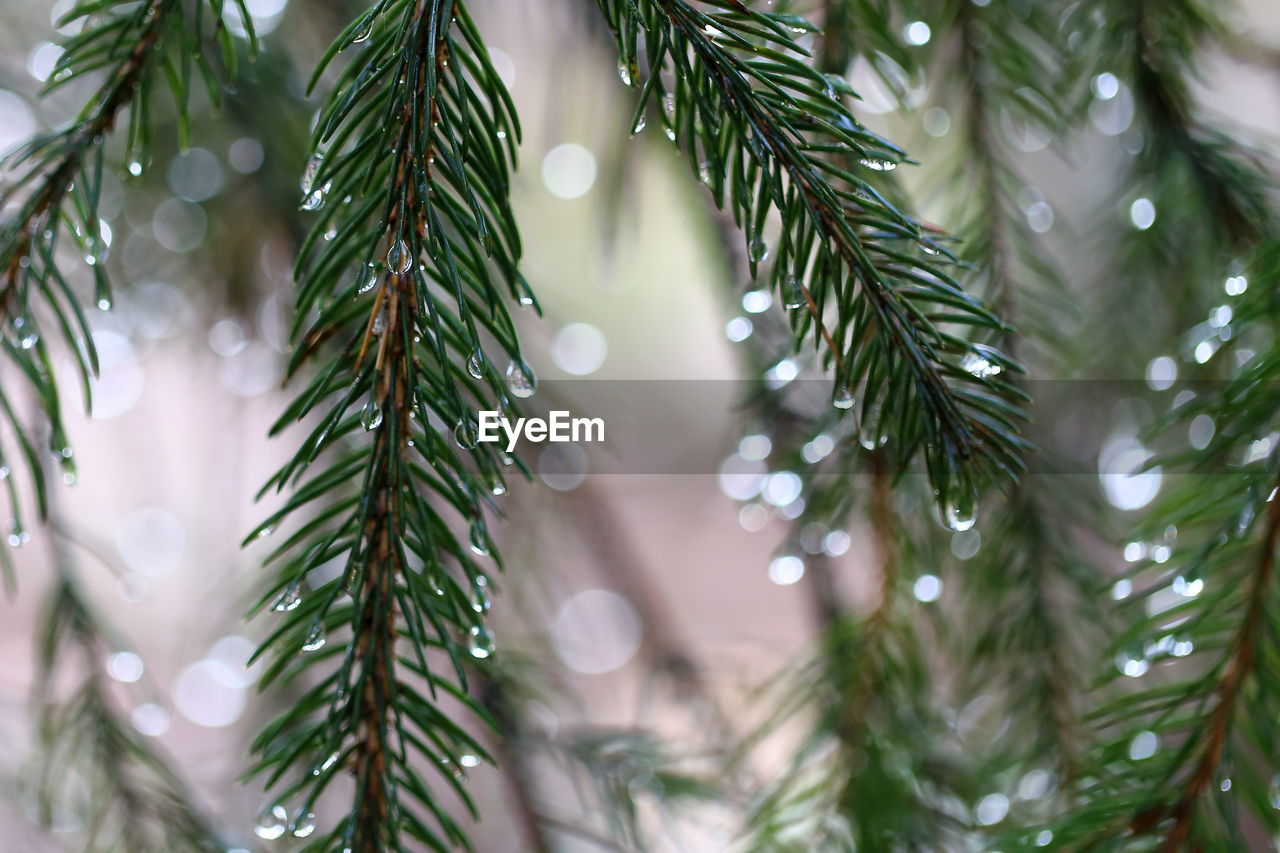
(767, 131)
(1204, 592)
(414, 149)
(92, 759)
(59, 180)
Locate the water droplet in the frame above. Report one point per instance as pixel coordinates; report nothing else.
(371, 415)
(640, 125)
(29, 341)
(328, 762)
(310, 171)
(271, 825)
(266, 531)
(469, 760)
(520, 380)
(843, 398)
(135, 168)
(977, 364)
(479, 539)
(475, 364)
(104, 304)
(364, 32)
(304, 825)
(18, 535)
(624, 74)
(480, 600)
(370, 280)
(482, 645)
(289, 599)
(959, 512)
(879, 165)
(792, 293)
(315, 199)
(757, 250)
(399, 258)
(669, 103)
(704, 172)
(499, 490)
(465, 434)
(315, 637)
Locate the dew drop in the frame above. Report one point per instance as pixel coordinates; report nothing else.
(370, 280)
(399, 258)
(135, 168)
(371, 415)
(959, 513)
(475, 364)
(479, 540)
(640, 125)
(271, 825)
(624, 74)
(843, 398)
(465, 434)
(310, 171)
(520, 380)
(364, 32)
(18, 535)
(757, 250)
(315, 637)
(480, 601)
(304, 825)
(481, 645)
(289, 599)
(792, 293)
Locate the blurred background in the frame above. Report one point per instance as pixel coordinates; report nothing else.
(633, 602)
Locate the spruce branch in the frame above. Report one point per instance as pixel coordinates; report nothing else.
(1181, 761)
(766, 132)
(56, 192)
(408, 264)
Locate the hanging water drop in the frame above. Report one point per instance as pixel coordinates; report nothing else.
(624, 74)
(959, 513)
(792, 293)
(757, 250)
(843, 398)
(271, 825)
(520, 380)
(640, 125)
(364, 32)
(479, 539)
(18, 535)
(399, 258)
(304, 825)
(135, 168)
(289, 599)
(315, 637)
(465, 434)
(704, 172)
(314, 200)
(481, 645)
(371, 415)
(310, 171)
(475, 363)
(480, 601)
(370, 280)
(499, 490)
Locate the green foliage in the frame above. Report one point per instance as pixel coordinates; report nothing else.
(403, 276)
(769, 136)
(95, 773)
(136, 48)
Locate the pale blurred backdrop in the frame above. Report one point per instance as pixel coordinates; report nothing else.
(607, 577)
